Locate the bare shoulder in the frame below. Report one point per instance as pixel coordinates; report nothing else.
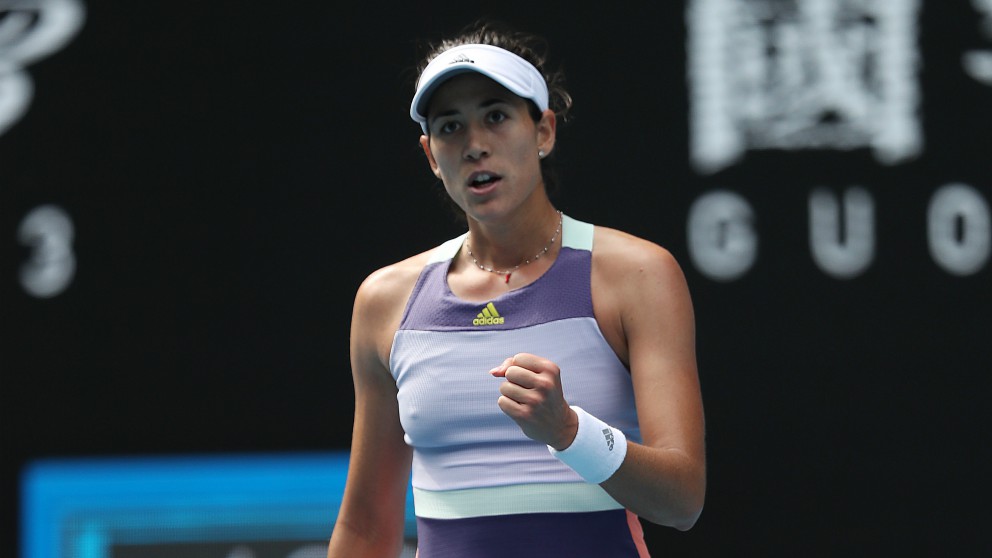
(634, 283)
(378, 310)
(618, 255)
(391, 285)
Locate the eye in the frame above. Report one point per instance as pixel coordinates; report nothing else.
(446, 126)
(496, 116)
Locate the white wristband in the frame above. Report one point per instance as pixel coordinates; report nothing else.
(597, 451)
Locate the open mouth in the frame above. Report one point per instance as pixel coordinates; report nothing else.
(482, 179)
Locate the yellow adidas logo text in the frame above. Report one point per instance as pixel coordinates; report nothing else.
(488, 316)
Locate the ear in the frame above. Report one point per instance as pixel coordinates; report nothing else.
(425, 143)
(546, 130)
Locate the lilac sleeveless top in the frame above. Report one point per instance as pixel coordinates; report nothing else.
(472, 466)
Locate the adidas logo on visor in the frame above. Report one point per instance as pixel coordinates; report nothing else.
(461, 58)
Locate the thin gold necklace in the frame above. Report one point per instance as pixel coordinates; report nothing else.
(509, 272)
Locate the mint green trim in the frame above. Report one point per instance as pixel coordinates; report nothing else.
(513, 499)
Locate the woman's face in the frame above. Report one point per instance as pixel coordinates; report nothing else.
(483, 144)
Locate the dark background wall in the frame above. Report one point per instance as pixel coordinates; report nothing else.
(233, 170)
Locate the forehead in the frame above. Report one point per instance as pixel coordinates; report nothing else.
(469, 89)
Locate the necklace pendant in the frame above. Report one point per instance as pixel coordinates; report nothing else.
(507, 280)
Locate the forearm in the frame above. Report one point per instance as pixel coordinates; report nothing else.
(663, 486)
(371, 518)
(349, 540)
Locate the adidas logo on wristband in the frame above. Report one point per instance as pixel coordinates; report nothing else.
(586, 456)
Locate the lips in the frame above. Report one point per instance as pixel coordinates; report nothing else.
(483, 181)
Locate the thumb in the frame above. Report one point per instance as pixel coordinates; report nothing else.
(500, 371)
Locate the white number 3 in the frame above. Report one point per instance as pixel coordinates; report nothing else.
(47, 230)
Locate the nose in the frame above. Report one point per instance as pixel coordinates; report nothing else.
(476, 143)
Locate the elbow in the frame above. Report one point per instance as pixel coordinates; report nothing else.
(692, 502)
(688, 520)
(691, 508)
(675, 498)
(682, 519)
(681, 513)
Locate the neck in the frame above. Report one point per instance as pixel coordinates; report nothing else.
(504, 254)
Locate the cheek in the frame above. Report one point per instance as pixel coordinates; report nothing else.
(442, 155)
(526, 157)
(443, 168)
(455, 195)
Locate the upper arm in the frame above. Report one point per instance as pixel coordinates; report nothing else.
(659, 326)
(648, 306)
(373, 505)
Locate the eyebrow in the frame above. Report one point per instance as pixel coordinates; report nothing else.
(484, 104)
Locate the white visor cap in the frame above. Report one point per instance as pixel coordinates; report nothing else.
(500, 65)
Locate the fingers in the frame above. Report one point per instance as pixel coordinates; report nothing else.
(526, 361)
(523, 393)
(532, 396)
(509, 406)
(530, 380)
(500, 370)
(533, 363)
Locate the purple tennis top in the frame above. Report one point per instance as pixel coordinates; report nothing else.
(475, 474)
